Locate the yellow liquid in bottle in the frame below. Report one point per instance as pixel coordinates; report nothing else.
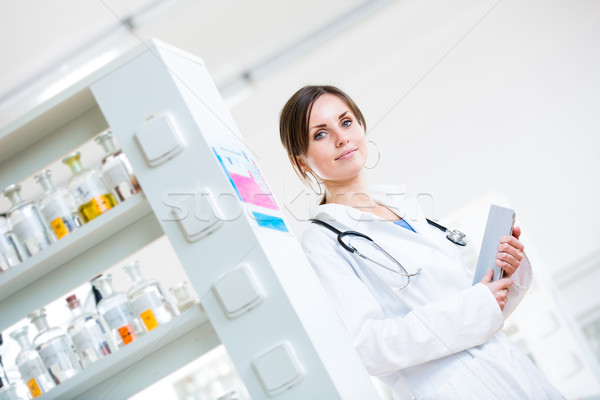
(98, 205)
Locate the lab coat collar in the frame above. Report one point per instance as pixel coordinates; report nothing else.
(392, 196)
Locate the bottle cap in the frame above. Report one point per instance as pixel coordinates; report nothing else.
(73, 156)
(73, 301)
(37, 313)
(19, 331)
(15, 187)
(106, 134)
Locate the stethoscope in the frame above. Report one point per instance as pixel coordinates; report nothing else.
(454, 236)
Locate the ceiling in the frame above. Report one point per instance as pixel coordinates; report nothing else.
(63, 40)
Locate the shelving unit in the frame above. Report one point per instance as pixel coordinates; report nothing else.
(73, 259)
(284, 344)
(144, 361)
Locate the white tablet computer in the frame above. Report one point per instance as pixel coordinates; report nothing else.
(499, 223)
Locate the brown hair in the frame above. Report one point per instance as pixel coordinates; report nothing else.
(294, 118)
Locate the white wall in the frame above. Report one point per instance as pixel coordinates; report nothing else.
(459, 108)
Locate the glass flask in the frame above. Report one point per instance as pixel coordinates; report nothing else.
(30, 365)
(116, 170)
(9, 246)
(57, 206)
(115, 310)
(55, 348)
(91, 195)
(147, 298)
(90, 336)
(27, 223)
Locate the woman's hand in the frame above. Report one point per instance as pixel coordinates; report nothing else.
(510, 252)
(498, 288)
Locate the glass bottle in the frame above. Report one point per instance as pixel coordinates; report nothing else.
(27, 223)
(10, 255)
(9, 392)
(184, 298)
(90, 336)
(3, 378)
(91, 195)
(30, 365)
(57, 206)
(115, 310)
(116, 170)
(230, 395)
(55, 348)
(147, 298)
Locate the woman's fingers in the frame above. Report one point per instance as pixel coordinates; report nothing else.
(499, 289)
(516, 232)
(508, 262)
(487, 278)
(510, 252)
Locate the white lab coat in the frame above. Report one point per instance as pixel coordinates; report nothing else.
(438, 338)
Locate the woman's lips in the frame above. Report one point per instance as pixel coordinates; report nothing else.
(346, 155)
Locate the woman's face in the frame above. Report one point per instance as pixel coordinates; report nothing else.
(336, 147)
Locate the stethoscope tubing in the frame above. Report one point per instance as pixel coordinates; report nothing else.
(454, 236)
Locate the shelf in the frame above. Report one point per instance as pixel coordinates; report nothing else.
(148, 359)
(77, 257)
(74, 244)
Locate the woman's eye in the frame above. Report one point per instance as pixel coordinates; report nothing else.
(319, 135)
(346, 123)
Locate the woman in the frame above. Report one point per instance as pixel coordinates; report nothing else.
(430, 334)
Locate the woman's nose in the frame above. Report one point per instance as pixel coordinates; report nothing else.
(342, 140)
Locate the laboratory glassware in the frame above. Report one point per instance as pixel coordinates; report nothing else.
(55, 348)
(184, 298)
(9, 392)
(3, 378)
(10, 255)
(57, 206)
(147, 298)
(230, 395)
(27, 223)
(91, 338)
(91, 195)
(115, 310)
(30, 365)
(116, 170)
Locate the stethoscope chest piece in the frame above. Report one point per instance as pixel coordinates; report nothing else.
(456, 237)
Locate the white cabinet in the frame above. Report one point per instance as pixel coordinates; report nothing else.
(204, 191)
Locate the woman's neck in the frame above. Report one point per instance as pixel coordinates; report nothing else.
(354, 193)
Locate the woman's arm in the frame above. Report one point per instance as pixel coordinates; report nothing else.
(386, 345)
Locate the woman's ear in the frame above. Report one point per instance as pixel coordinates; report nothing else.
(300, 160)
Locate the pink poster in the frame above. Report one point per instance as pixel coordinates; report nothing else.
(246, 178)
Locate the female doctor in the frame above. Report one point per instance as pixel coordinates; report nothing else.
(416, 321)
